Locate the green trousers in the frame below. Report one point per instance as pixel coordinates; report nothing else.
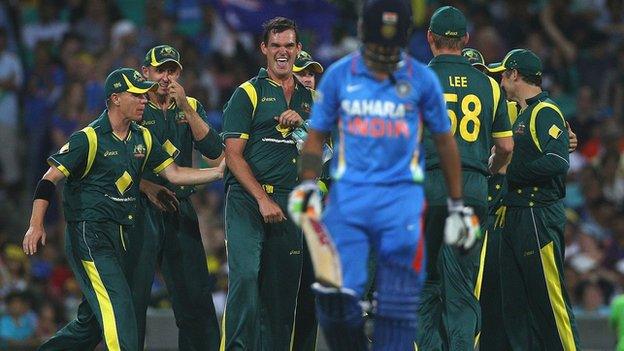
(449, 313)
(264, 263)
(173, 241)
(535, 304)
(96, 252)
(306, 325)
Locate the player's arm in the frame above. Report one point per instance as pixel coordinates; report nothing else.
(311, 159)
(199, 128)
(237, 120)
(551, 139)
(46, 189)
(191, 176)
(236, 163)
(501, 130)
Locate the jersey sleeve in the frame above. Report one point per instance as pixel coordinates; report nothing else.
(158, 159)
(71, 159)
(326, 101)
(501, 125)
(211, 145)
(238, 112)
(432, 104)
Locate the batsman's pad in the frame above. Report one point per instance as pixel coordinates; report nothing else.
(325, 258)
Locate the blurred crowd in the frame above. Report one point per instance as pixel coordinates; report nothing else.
(54, 56)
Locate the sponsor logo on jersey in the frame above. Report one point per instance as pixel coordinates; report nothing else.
(376, 108)
(111, 153)
(267, 99)
(148, 123)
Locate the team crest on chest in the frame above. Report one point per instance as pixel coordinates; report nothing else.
(305, 107)
(520, 128)
(180, 117)
(139, 151)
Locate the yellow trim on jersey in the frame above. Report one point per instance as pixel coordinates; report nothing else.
(147, 137)
(106, 306)
(555, 295)
(193, 102)
(507, 133)
(244, 136)
(500, 217)
(124, 182)
(222, 344)
(534, 113)
(477, 288)
(252, 94)
(170, 148)
(63, 170)
(496, 93)
(163, 165)
(93, 144)
(512, 111)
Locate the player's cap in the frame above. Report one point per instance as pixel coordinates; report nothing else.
(127, 79)
(474, 56)
(304, 60)
(449, 22)
(523, 60)
(160, 54)
(386, 22)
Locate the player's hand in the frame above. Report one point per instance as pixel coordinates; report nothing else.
(289, 118)
(31, 239)
(462, 227)
(163, 198)
(573, 139)
(270, 211)
(176, 91)
(305, 198)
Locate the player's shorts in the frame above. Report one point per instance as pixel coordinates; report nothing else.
(384, 218)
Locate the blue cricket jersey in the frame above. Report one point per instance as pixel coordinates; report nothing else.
(379, 123)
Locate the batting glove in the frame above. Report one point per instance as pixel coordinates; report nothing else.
(462, 227)
(305, 198)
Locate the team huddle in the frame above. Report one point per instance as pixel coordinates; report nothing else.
(435, 189)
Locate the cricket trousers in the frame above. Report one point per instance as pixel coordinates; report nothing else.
(264, 261)
(449, 313)
(96, 252)
(173, 241)
(306, 325)
(535, 304)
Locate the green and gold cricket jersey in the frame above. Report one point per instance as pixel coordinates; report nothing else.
(536, 174)
(477, 109)
(170, 127)
(250, 114)
(103, 171)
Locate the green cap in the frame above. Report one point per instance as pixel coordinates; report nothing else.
(160, 54)
(449, 22)
(474, 56)
(304, 60)
(525, 61)
(127, 79)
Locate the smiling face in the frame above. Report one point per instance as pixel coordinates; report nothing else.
(163, 75)
(307, 78)
(281, 50)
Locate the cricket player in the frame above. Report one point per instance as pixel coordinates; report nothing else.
(306, 69)
(379, 98)
(103, 164)
(535, 306)
(449, 312)
(264, 246)
(168, 233)
(490, 300)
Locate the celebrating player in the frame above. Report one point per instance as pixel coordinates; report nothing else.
(449, 311)
(167, 230)
(378, 98)
(103, 164)
(263, 245)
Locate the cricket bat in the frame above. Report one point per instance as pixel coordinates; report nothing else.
(325, 259)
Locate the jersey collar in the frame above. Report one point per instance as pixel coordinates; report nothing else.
(103, 124)
(537, 98)
(264, 74)
(447, 58)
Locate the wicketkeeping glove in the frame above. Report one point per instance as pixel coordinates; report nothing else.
(305, 198)
(462, 227)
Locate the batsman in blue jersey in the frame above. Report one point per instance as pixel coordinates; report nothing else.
(377, 101)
